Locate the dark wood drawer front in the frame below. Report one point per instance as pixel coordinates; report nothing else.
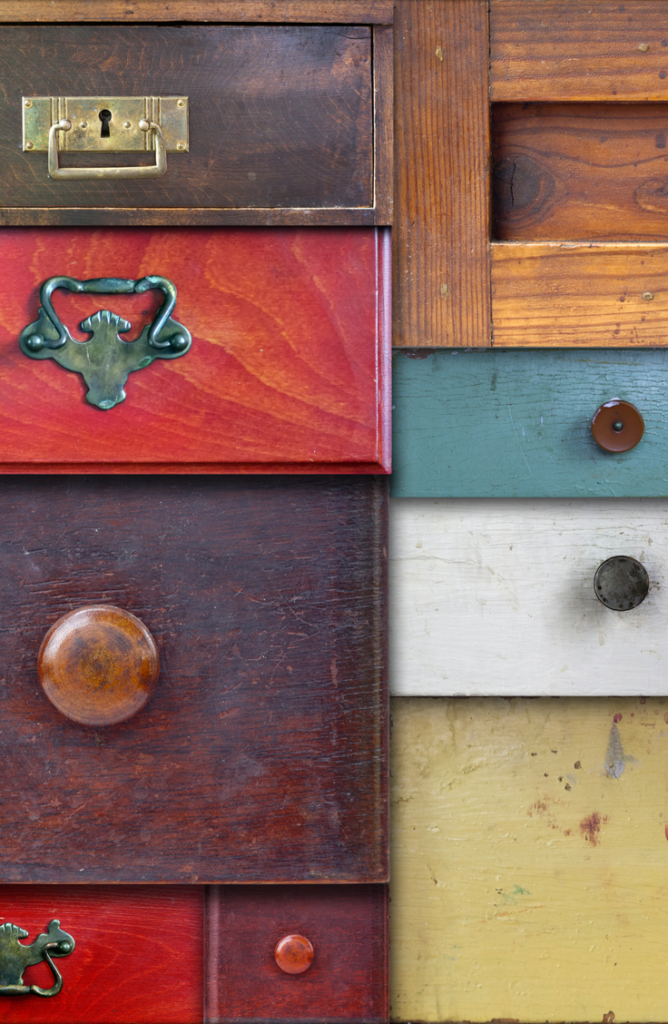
(347, 980)
(261, 753)
(281, 117)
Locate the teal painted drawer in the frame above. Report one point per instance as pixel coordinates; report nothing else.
(517, 423)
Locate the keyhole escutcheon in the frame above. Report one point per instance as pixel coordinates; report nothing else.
(105, 118)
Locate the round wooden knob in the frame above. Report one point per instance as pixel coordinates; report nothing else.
(621, 583)
(98, 665)
(294, 954)
(617, 426)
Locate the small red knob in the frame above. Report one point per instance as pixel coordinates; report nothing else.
(294, 954)
(617, 426)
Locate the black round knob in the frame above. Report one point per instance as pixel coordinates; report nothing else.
(621, 583)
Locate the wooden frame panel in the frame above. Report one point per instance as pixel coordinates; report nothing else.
(378, 12)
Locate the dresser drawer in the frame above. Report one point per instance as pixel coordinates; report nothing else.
(519, 424)
(184, 954)
(261, 753)
(498, 598)
(287, 370)
(261, 123)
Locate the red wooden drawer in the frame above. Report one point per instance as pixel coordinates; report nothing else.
(288, 369)
(157, 954)
(261, 755)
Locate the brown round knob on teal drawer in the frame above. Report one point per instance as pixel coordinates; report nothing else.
(294, 954)
(621, 583)
(617, 426)
(98, 665)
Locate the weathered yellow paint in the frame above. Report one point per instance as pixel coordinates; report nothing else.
(530, 859)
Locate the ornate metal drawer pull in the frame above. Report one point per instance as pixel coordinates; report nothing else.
(15, 957)
(105, 361)
(155, 170)
(105, 124)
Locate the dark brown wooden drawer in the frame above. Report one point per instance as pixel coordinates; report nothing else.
(183, 954)
(287, 122)
(261, 754)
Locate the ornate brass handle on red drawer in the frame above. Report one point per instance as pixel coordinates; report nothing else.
(15, 958)
(106, 360)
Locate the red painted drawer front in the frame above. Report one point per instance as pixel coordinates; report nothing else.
(288, 370)
(347, 926)
(138, 954)
(260, 755)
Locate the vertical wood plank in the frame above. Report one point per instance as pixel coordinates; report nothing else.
(442, 182)
(383, 103)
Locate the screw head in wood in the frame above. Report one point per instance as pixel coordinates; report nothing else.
(617, 426)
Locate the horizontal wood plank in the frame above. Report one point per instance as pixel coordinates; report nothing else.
(497, 598)
(274, 314)
(603, 294)
(529, 860)
(261, 753)
(514, 423)
(580, 171)
(125, 958)
(441, 267)
(579, 50)
(268, 11)
(133, 216)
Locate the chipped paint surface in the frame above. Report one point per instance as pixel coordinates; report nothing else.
(530, 859)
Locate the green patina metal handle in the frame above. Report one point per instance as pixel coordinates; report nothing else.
(15, 957)
(106, 360)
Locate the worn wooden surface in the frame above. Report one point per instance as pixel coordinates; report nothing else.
(576, 171)
(347, 980)
(442, 172)
(260, 755)
(497, 598)
(287, 364)
(529, 860)
(517, 424)
(579, 50)
(603, 294)
(138, 953)
(268, 11)
(383, 121)
(280, 116)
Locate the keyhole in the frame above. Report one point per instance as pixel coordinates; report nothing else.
(105, 118)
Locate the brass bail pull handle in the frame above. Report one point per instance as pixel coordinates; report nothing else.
(15, 957)
(155, 170)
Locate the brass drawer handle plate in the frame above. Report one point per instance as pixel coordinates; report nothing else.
(15, 957)
(105, 360)
(107, 124)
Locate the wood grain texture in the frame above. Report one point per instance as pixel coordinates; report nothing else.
(261, 754)
(516, 424)
(579, 50)
(280, 116)
(383, 134)
(441, 268)
(269, 11)
(497, 598)
(287, 364)
(529, 860)
(580, 171)
(130, 216)
(347, 980)
(588, 294)
(138, 953)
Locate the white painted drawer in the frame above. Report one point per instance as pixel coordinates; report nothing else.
(496, 597)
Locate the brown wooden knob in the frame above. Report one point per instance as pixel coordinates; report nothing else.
(294, 954)
(617, 426)
(98, 665)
